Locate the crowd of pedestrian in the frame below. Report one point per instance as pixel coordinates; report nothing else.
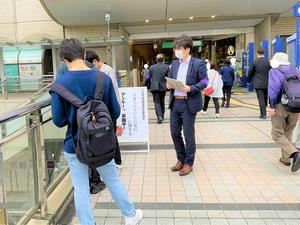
(85, 98)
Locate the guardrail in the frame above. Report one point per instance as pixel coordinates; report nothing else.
(21, 84)
(32, 166)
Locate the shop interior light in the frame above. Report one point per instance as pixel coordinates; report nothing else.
(213, 16)
(170, 19)
(191, 17)
(147, 21)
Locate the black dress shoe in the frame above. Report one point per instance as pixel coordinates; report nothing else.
(263, 117)
(296, 162)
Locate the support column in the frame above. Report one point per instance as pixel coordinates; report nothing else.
(2, 70)
(213, 51)
(54, 63)
(113, 58)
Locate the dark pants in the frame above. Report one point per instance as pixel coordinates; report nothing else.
(181, 117)
(262, 96)
(94, 175)
(216, 103)
(227, 95)
(159, 103)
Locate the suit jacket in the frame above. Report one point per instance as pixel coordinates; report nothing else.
(258, 74)
(196, 78)
(158, 72)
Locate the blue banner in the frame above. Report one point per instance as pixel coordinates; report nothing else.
(297, 10)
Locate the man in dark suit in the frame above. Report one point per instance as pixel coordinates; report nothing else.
(258, 74)
(158, 72)
(185, 102)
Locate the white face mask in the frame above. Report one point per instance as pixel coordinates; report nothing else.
(179, 54)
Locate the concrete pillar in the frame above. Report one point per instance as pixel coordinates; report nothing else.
(263, 31)
(2, 69)
(135, 78)
(213, 51)
(54, 62)
(250, 38)
(113, 58)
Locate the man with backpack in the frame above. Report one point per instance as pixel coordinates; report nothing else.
(84, 100)
(284, 97)
(96, 184)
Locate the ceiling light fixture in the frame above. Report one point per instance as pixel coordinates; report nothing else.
(191, 17)
(147, 21)
(213, 16)
(170, 19)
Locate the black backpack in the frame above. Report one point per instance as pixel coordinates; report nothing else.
(291, 93)
(96, 141)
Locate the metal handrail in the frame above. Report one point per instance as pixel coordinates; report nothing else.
(24, 111)
(19, 84)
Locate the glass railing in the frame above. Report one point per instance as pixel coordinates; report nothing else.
(31, 160)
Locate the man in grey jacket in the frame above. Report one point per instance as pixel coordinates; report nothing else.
(157, 73)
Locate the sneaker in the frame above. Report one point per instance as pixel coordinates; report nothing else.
(136, 219)
(203, 112)
(217, 115)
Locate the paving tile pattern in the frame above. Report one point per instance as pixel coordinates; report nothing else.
(237, 178)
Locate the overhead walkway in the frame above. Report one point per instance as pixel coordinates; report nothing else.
(237, 178)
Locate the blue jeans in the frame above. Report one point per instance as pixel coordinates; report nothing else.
(80, 180)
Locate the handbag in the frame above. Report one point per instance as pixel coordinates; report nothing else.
(210, 90)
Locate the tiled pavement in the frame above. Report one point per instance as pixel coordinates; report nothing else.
(237, 178)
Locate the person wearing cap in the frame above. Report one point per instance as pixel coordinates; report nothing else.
(283, 122)
(258, 75)
(157, 74)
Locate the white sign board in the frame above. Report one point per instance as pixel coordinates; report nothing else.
(134, 116)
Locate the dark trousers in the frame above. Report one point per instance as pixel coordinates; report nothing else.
(94, 175)
(262, 96)
(181, 118)
(159, 103)
(216, 103)
(227, 95)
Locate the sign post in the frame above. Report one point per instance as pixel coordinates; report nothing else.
(134, 120)
(250, 62)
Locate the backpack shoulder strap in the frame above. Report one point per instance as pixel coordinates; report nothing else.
(66, 94)
(100, 83)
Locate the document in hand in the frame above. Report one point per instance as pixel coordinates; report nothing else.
(175, 83)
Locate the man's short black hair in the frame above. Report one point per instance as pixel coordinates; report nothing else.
(71, 49)
(90, 56)
(184, 41)
(261, 51)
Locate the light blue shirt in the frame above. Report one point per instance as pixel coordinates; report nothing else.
(181, 75)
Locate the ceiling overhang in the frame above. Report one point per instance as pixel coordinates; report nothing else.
(133, 14)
